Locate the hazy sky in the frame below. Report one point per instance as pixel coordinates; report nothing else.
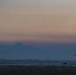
(38, 20)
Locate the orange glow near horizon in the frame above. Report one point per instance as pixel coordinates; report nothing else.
(37, 24)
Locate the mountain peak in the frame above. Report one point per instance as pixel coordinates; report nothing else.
(19, 44)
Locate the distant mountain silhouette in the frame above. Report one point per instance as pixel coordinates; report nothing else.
(51, 51)
(19, 44)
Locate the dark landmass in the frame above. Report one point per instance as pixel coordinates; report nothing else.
(35, 70)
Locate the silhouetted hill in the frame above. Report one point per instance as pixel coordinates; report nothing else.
(18, 44)
(51, 51)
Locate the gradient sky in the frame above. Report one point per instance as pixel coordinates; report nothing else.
(38, 20)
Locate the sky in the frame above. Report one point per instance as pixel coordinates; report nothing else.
(38, 21)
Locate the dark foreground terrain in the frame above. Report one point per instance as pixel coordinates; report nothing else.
(31, 70)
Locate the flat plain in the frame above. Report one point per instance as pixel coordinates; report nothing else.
(37, 70)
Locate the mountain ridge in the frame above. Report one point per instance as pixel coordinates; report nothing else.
(51, 51)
